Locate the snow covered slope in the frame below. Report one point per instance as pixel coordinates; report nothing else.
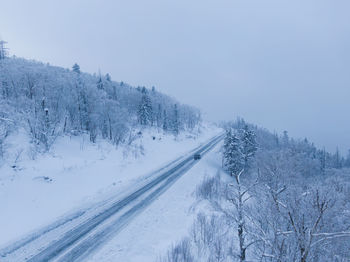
(166, 221)
(77, 173)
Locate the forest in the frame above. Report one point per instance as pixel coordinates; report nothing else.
(48, 101)
(275, 199)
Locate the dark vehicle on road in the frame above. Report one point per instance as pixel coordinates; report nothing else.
(197, 156)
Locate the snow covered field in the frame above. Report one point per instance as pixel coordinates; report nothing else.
(77, 173)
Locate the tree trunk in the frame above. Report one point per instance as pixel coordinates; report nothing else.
(242, 249)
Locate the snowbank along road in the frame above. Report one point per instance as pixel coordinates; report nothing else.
(76, 236)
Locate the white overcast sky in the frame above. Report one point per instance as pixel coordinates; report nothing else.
(281, 64)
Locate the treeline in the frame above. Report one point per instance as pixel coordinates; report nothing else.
(49, 101)
(289, 200)
(277, 199)
(301, 149)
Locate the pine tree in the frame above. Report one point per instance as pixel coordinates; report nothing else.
(100, 82)
(76, 68)
(249, 144)
(234, 160)
(145, 109)
(237, 149)
(3, 50)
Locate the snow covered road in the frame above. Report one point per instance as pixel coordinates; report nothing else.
(79, 235)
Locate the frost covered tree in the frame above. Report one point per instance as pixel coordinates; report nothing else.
(175, 121)
(108, 77)
(159, 116)
(6, 126)
(297, 225)
(82, 103)
(283, 209)
(322, 159)
(249, 144)
(239, 148)
(76, 68)
(75, 105)
(347, 160)
(3, 50)
(145, 111)
(337, 159)
(100, 82)
(165, 121)
(285, 138)
(233, 158)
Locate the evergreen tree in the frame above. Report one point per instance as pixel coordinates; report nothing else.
(239, 148)
(249, 144)
(100, 82)
(233, 157)
(285, 138)
(76, 68)
(145, 109)
(3, 50)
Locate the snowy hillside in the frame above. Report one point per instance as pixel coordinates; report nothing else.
(272, 199)
(77, 173)
(69, 138)
(174, 131)
(48, 102)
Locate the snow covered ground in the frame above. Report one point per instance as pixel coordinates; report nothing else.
(77, 173)
(165, 222)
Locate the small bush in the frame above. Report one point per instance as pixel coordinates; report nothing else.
(210, 188)
(179, 253)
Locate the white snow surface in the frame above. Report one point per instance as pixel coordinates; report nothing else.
(165, 222)
(35, 190)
